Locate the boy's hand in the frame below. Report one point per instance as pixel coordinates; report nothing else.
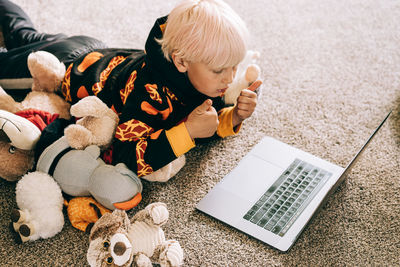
(202, 121)
(246, 103)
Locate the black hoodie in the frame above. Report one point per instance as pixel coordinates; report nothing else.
(151, 97)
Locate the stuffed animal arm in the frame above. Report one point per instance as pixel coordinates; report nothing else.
(96, 124)
(114, 239)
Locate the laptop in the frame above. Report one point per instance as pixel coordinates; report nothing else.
(275, 190)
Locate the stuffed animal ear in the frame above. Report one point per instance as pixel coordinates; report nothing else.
(92, 106)
(109, 223)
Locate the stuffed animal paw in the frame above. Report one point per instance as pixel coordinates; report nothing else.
(96, 125)
(157, 213)
(171, 254)
(46, 70)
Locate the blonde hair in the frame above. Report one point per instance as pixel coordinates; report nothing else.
(206, 31)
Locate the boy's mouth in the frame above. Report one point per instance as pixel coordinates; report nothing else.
(222, 91)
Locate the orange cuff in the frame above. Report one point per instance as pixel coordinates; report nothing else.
(225, 127)
(180, 140)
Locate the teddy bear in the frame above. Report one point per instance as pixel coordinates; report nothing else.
(80, 174)
(116, 240)
(40, 105)
(77, 173)
(95, 125)
(247, 72)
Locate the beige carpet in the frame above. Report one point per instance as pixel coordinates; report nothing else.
(331, 70)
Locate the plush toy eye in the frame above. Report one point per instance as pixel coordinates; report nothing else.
(109, 260)
(106, 244)
(12, 149)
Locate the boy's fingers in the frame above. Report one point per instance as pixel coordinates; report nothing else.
(255, 85)
(204, 107)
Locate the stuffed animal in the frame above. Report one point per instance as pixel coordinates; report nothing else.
(40, 105)
(247, 73)
(84, 173)
(117, 241)
(47, 73)
(39, 215)
(83, 212)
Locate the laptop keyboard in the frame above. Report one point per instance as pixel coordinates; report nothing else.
(280, 206)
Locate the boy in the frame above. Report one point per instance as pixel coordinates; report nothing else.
(166, 96)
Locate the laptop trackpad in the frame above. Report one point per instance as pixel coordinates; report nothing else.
(252, 177)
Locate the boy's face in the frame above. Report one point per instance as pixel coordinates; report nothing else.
(208, 81)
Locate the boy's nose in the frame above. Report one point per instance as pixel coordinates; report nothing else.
(229, 75)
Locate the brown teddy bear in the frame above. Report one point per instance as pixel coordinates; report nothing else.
(38, 108)
(96, 123)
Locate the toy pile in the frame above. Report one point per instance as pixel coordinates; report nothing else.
(52, 150)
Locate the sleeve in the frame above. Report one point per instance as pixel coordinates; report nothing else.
(179, 139)
(225, 127)
(142, 140)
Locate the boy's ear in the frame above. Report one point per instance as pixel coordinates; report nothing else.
(180, 63)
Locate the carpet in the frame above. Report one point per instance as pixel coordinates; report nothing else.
(331, 71)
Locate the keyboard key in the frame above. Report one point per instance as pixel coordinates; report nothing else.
(262, 222)
(276, 229)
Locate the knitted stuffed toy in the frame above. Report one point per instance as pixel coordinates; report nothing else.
(117, 241)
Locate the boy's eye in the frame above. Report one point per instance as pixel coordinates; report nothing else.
(218, 71)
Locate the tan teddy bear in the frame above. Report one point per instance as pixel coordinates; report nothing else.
(117, 241)
(16, 151)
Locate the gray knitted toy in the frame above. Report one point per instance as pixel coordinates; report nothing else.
(83, 173)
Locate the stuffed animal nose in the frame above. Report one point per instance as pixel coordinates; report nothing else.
(120, 249)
